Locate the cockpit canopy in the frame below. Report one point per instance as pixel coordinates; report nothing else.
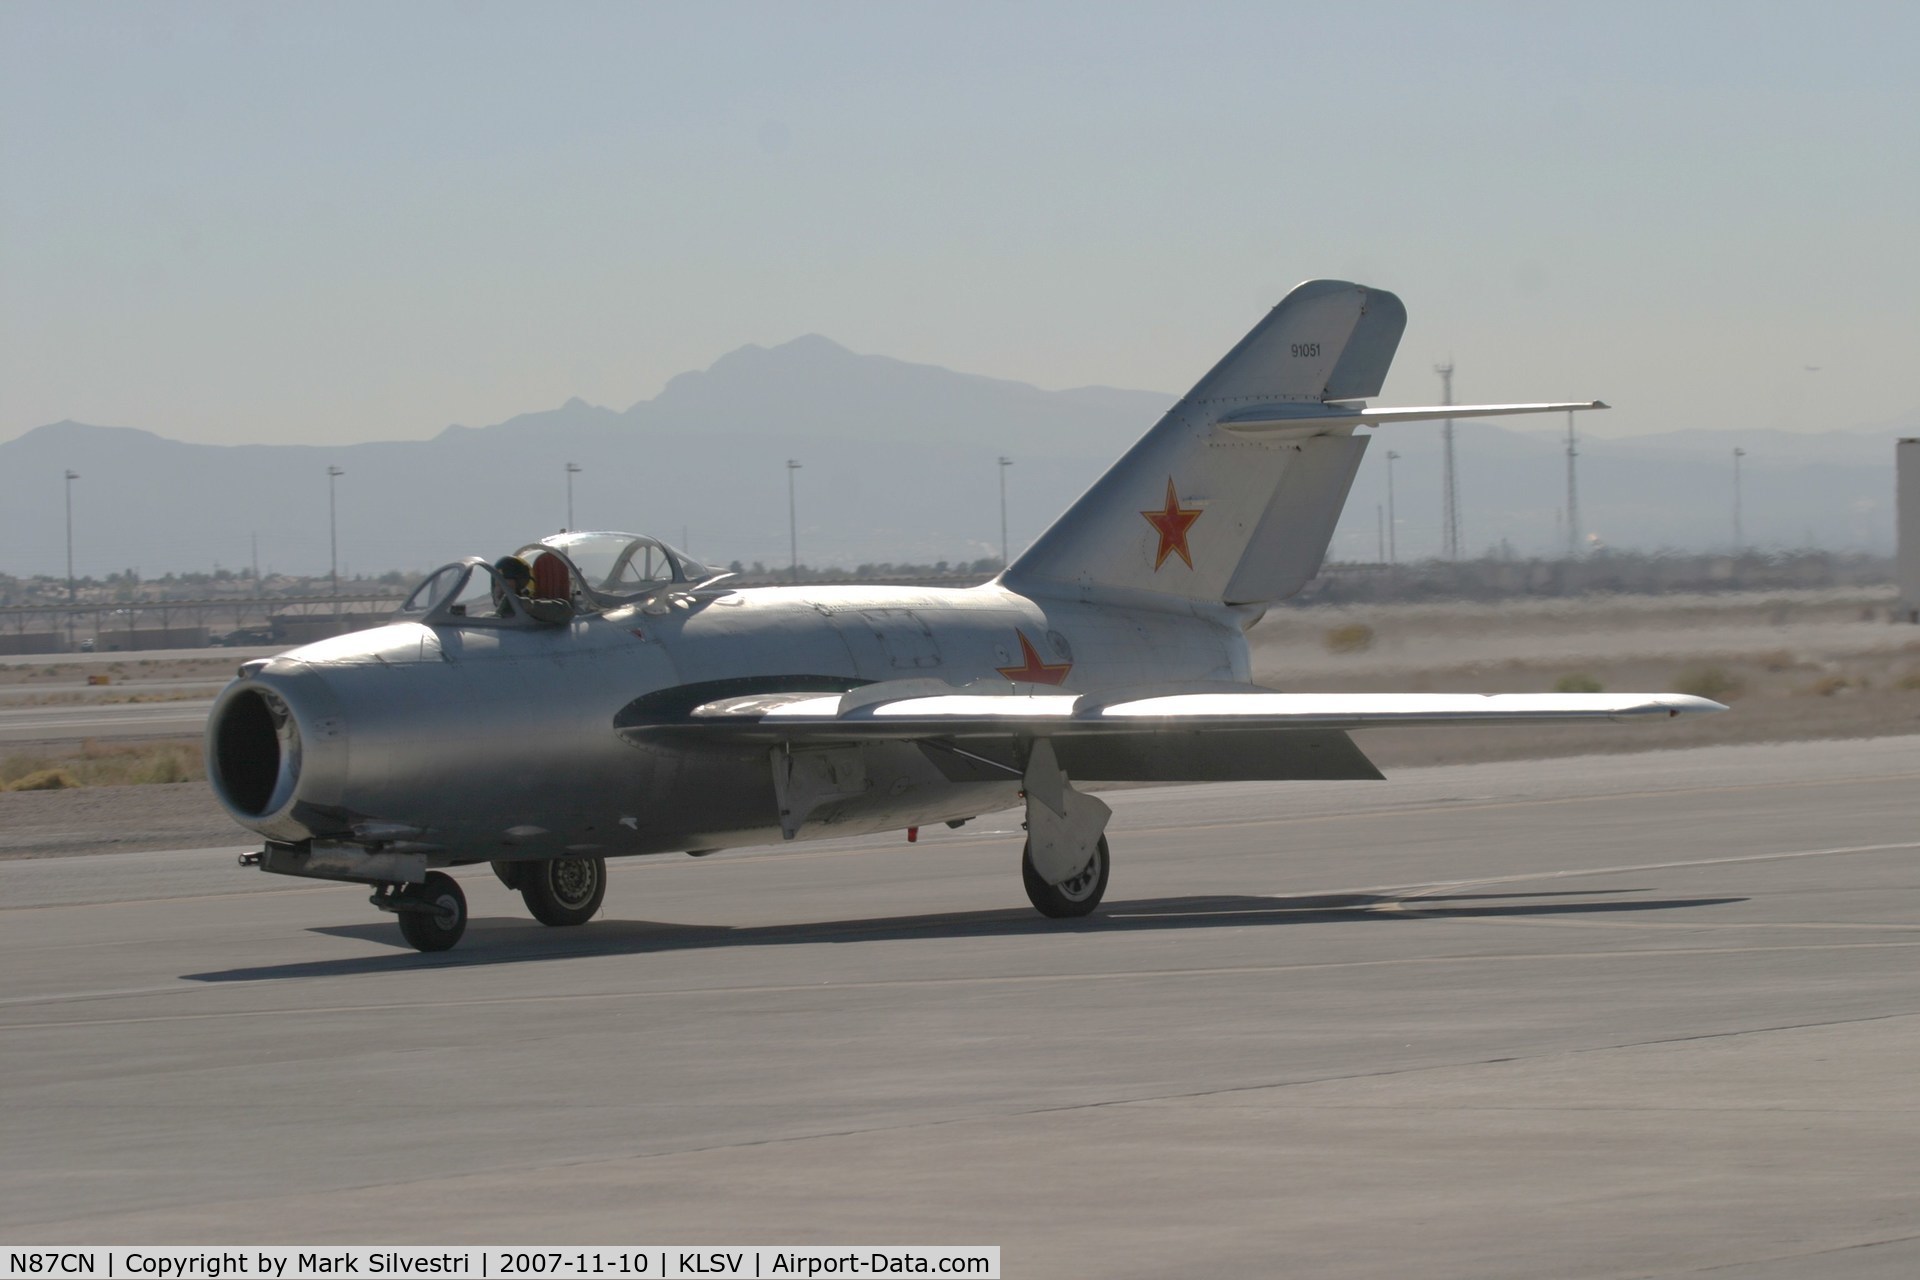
(593, 572)
(621, 566)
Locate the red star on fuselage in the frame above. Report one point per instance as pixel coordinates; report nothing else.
(1172, 525)
(1034, 671)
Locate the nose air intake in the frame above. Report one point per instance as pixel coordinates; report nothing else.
(255, 756)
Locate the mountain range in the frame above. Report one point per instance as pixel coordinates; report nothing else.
(898, 464)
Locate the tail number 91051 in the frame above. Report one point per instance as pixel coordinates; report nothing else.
(1306, 351)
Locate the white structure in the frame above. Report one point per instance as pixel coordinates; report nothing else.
(1907, 464)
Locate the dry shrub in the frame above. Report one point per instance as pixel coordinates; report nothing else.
(1910, 682)
(1828, 686)
(58, 698)
(1713, 682)
(1776, 661)
(1355, 637)
(45, 780)
(162, 766)
(1578, 682)
(105, 764)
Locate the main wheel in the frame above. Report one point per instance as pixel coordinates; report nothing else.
(563, 891)
(1076, 897)
(440, 928)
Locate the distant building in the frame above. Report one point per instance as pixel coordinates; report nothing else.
(1907, 464)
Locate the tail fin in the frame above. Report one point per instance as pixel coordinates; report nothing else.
(1199, 511)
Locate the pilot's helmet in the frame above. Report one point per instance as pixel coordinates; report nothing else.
(516, 571)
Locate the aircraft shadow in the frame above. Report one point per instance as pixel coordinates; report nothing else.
(498, 940)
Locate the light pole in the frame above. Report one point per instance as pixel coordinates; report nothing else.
(1573, 495)
(333, 536)
(1392, 551)
(573, 469)
(1449, 495)
(71, 477)
(1738, 539)
(793, 526)
(1004, 464)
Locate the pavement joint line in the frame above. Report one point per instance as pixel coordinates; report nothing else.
(1777, 1257)
(1655, 925)
(1598, 1108)
(667, 993)
(275, 891)
(1145, 1103)
(1576, 1051)
(1572, 873)
(1447, 806)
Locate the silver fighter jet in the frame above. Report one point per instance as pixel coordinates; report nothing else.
(627, 701)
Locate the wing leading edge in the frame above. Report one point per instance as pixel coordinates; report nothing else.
(1237, 735)
(809, 717)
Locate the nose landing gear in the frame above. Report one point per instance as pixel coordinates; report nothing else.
(433, 914)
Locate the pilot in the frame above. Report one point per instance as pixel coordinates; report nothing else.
(518, 575)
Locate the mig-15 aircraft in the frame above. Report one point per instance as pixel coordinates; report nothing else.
(628, 701)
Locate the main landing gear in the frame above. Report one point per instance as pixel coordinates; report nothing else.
(558, 891)
(563, 891)
(1076, 896)
(1065, 862)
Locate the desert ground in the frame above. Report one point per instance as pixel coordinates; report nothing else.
(1794, 666)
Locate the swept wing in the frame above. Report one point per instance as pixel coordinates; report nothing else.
(811, 717)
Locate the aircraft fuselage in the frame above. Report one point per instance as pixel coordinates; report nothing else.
(489, 743)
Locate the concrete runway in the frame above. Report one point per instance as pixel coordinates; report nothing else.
(78, 721)
(113, 658)
(1615, 1016)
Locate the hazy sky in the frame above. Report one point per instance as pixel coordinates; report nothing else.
(318, 222)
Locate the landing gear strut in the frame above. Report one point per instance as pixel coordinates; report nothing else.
(1064, 864)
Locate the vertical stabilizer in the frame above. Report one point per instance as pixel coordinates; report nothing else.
(1198, 512)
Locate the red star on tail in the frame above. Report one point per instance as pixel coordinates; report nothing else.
(1172, 525)
(1035, 671)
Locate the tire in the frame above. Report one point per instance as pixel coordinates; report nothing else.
(508, 873)
(1077, 897)
(563, 891)
(439, 929)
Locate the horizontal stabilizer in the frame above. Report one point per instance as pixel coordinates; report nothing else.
(1317, 420)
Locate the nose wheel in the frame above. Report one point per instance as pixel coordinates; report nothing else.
(433, 915)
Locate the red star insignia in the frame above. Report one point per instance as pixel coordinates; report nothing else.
(1034, 671)
(1172, 525)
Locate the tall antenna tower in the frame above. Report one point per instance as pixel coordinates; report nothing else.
(1450, 498)
(1573, 495)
